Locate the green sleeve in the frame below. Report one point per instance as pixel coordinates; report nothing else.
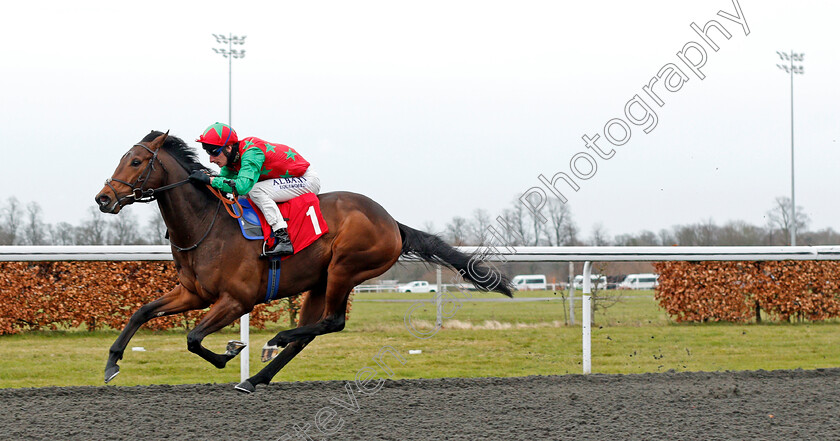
(227, 173)
(249, 173)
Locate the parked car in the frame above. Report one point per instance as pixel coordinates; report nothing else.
(640, 281)
(527, 282)
(597, 281)
(418, 286)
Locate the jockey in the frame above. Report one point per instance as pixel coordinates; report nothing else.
(267, 173)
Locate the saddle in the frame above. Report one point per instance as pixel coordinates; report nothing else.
(302, 214)
(305, 225)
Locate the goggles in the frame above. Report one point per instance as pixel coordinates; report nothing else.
(213, 150)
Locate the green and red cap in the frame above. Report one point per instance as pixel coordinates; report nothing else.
(218, 134)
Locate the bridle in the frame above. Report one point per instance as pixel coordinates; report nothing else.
(139, 194)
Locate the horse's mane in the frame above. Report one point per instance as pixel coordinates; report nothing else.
(185, 155)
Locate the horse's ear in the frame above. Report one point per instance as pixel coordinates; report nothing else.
(158, 142)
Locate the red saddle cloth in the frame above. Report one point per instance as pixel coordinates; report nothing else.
(303, 215)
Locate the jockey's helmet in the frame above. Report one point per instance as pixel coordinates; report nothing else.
(219, 135)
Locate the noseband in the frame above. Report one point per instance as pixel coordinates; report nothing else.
(138, 193)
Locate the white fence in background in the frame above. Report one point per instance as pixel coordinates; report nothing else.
(502, 254)
(445, 287)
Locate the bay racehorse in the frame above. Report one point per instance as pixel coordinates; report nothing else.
(219, 268)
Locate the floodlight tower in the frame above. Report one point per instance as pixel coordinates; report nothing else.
(230, 53)
(799, 70)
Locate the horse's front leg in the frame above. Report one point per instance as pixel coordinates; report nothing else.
(310, 312)
(176, 301)
(221, 314)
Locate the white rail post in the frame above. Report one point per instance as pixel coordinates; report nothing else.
(439, 299)
(571, 293)
(587, 318)
(244, 336)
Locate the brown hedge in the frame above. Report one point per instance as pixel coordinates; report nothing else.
(734, 291)
(97, 295)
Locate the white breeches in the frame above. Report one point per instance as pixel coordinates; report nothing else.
(266, 194)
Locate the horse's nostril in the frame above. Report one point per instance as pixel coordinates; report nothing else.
(103, 199)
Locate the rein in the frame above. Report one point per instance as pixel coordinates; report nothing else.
(138, 193)
(227, 203)
(195, 245)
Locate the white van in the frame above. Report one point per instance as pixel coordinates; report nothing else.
(640, 281)
(417, 286)
(529, 282)
(597, 281)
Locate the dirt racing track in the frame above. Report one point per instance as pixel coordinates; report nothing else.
(724, 405)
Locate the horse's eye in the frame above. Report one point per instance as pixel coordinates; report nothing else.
(135, 162)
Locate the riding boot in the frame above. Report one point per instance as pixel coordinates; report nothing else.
(282, 244)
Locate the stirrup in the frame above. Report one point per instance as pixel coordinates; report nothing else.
(274, 252)
(268, 253)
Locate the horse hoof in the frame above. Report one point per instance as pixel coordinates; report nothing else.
(234, 347)
(269, 352)
(245, 387)
(111, 372)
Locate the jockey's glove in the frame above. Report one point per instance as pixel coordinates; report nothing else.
(200, 177)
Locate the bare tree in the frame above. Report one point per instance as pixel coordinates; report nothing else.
(537, 222)
(599, 235)
(740, 233)
(92, 230)
(506, 226)
(11, 222)
(779, 217)
(518, 223)
(456, 231)
(826, 236)
(571, 233)
(123, 229)
(63, 233)
(560, 219)
(34, 231)
(645, 238)
(478, 227)
(156, 230)
(686, 235)
(707, 233)
(666, 238)
(602, 300)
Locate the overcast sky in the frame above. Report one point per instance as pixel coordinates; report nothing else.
(436, 109)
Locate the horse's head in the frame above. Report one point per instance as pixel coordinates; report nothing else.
(137, 175)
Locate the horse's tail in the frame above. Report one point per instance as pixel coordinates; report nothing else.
(433, 249)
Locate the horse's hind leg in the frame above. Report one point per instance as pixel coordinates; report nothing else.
(221, 314)
(310, 312)
(176, 301)
(342, 277)
(332, 319)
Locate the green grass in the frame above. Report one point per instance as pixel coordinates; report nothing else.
(480, 339)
